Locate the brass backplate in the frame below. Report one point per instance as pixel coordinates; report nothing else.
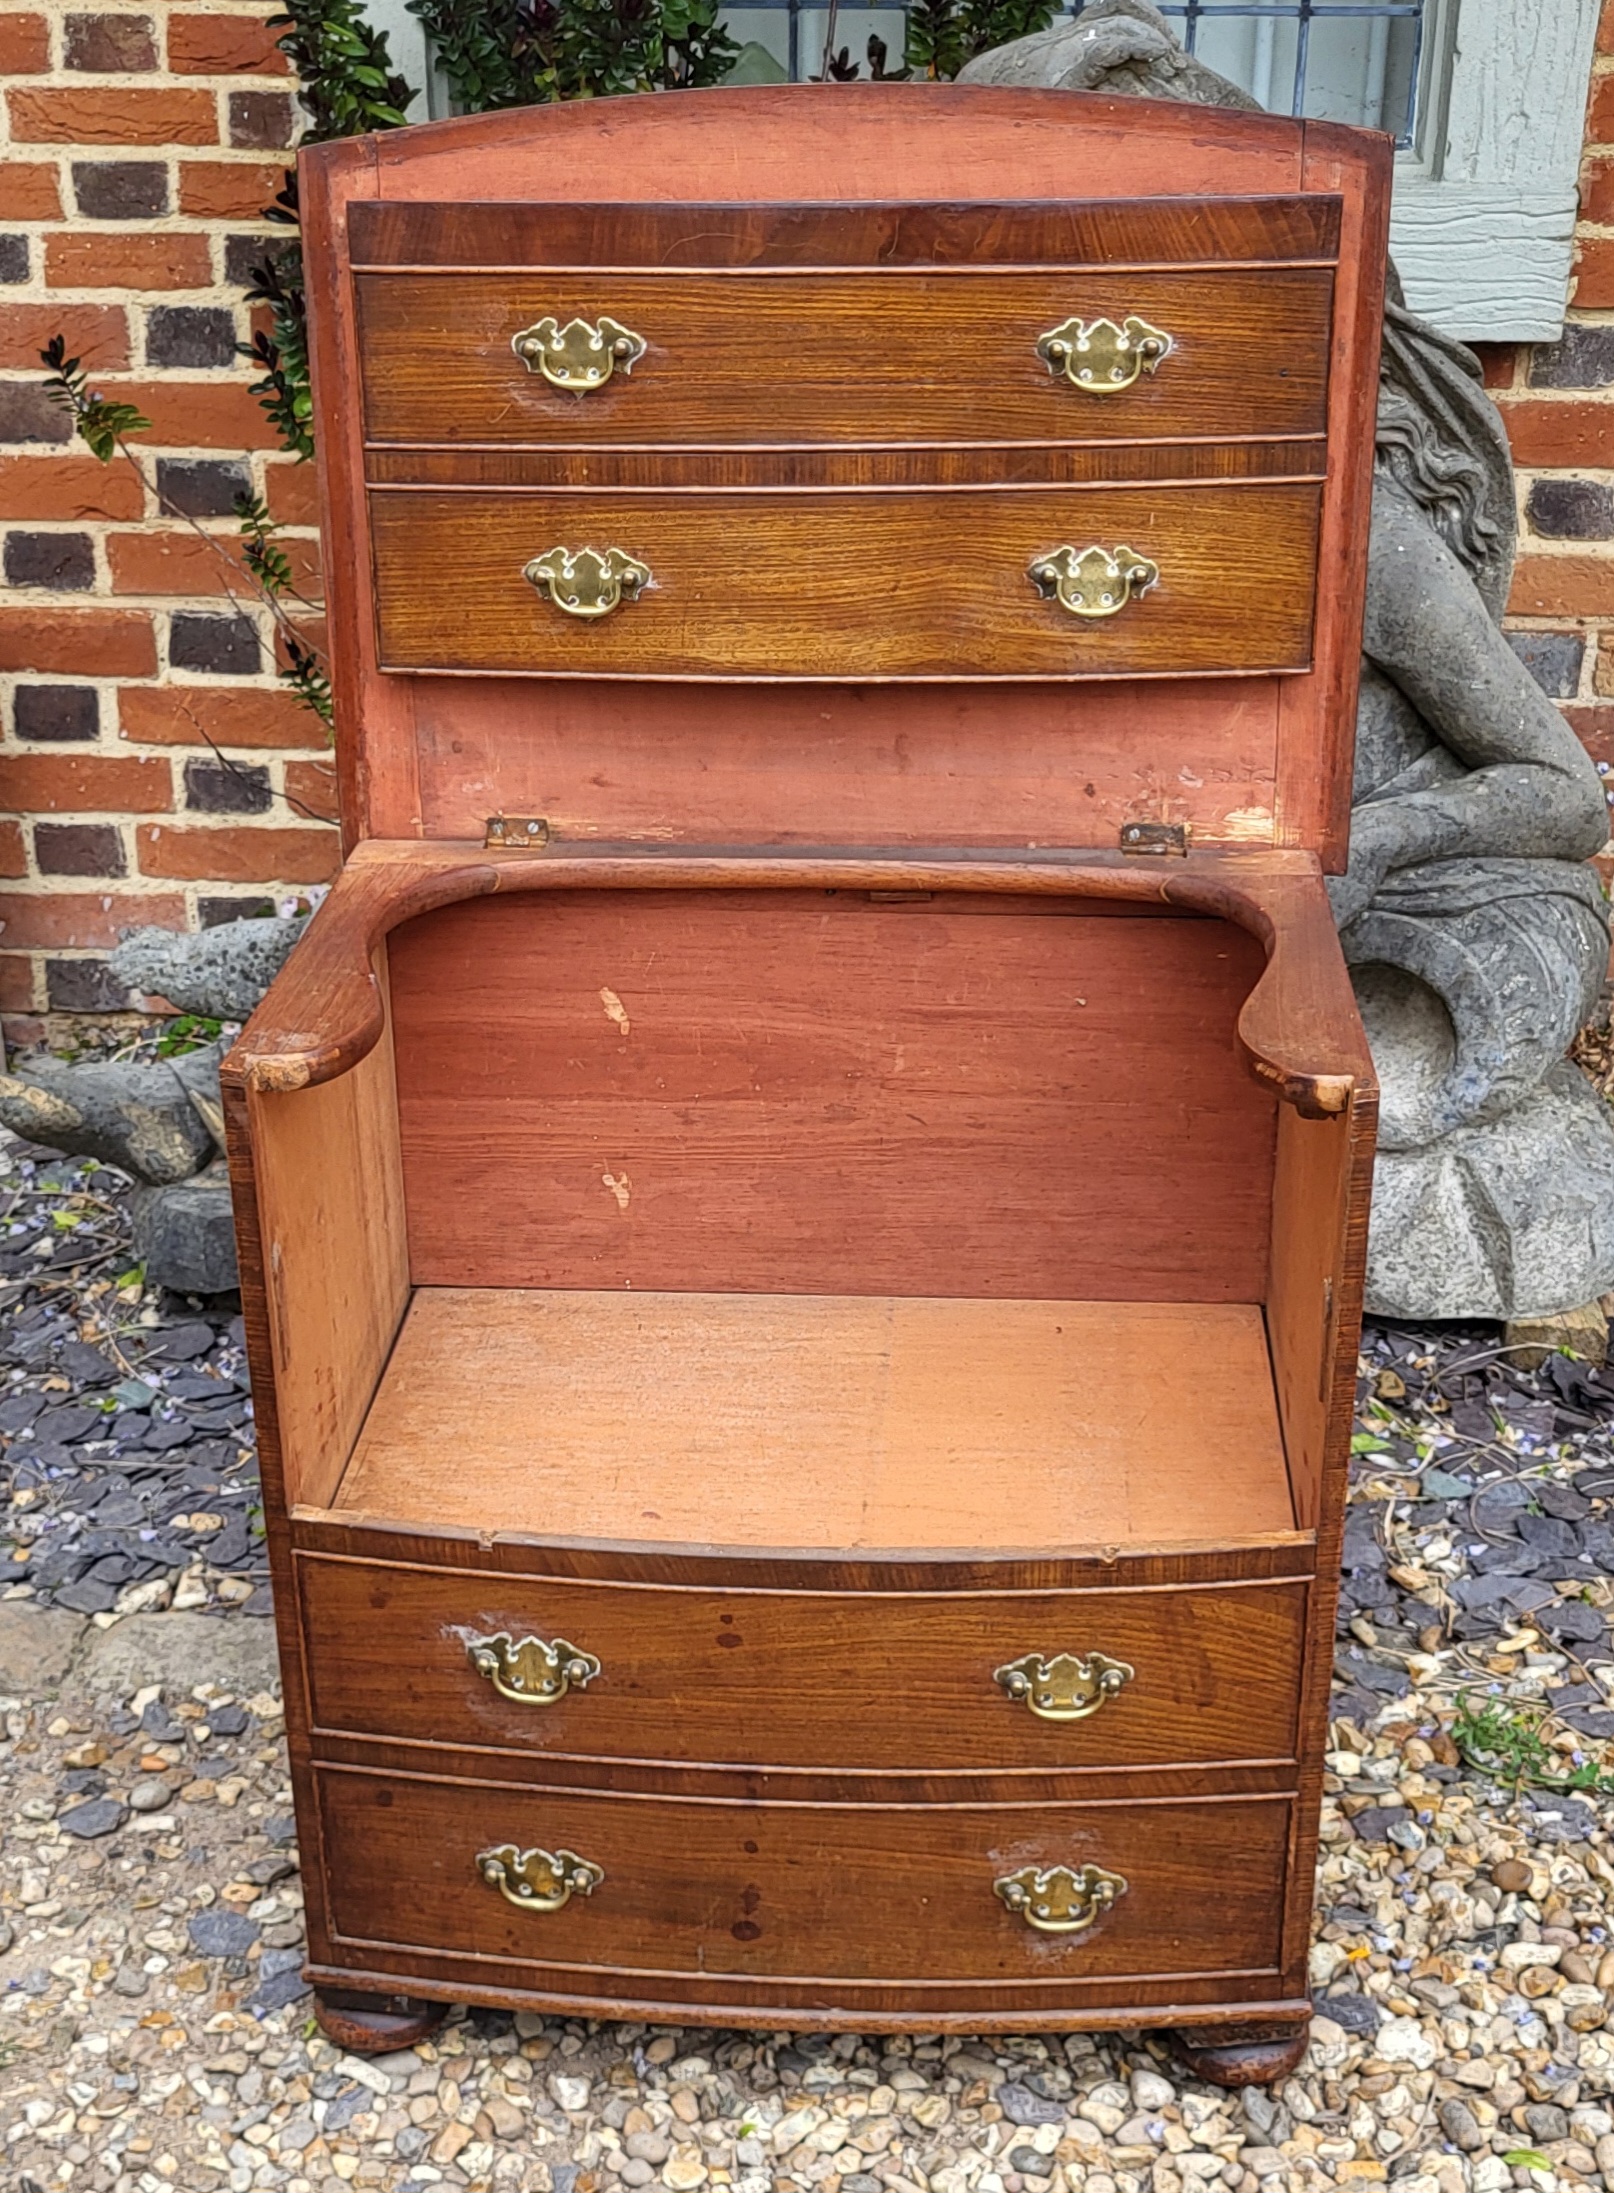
(587, 582)
(581, 356)
(1057, 1900)
(538, 1880)
(531, 1671)
(1101, 357)
(1094, 581)
(1063, 1686)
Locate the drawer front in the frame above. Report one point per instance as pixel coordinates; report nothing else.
(843, 1893)
(860, 584)
(881, 1683)
(785, 358)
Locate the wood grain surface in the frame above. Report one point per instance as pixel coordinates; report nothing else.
(825, 1092)
(880, 356)
(1145, 231)
(854, 1423)
(846, 1894)
(887, 1683)
(858, 584)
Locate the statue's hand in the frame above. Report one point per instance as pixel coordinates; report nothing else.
(1375, 837)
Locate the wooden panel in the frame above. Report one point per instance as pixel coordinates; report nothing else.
(872, 357)
(880, 142)
(820, 1093)
(849, 1423)
(860, 584)
(877, 1682)
(1143, 231)
(1019, 464)
(1068, 764)
(851, 1894)
(330, 1201)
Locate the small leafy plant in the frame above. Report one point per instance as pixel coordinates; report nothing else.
(514, 53)
(1506, 1742)
(100, 422)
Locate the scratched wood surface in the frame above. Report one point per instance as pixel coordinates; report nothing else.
(878, 1682)
(824, 1093)
(861, 1423)
(872, 357)
(845, 1893)
(861, 583)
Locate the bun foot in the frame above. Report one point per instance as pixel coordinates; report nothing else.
(374, 2025)
(1241, 2055)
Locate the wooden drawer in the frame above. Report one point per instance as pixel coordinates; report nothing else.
(780, 357)
(878, 1682)
(847, 586)
(847, 1894)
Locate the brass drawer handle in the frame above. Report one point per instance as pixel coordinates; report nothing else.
(538, 1880)
(1100, 357)
(1092, 582)
(578, 357)
(532, 1671)
(1055, 1900)
(587, 582)
(1067, 1687)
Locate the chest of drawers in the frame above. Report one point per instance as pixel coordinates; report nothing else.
(802, 1202)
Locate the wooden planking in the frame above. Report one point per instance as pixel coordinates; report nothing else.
(1144, 231)
(844, 1423)
(330, 1195)
(819, 1093)
(877, 357)
(860, 584)
(1068, 764)
(878, 1683)
(847, 1895)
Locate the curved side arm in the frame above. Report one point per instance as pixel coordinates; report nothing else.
(1298, 1027)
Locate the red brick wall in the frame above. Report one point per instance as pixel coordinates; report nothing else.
(1558, 401)
(144, 141)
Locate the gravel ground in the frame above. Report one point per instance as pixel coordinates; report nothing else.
(154, 2033)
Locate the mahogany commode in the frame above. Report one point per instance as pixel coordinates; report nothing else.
(802, 1202)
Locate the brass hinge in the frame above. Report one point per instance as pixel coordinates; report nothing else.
(516, 834)
(1154, 837)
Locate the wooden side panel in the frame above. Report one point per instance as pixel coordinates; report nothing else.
(821, 1093)
(1063, 764)
(825, 1896)
(1321, 1193)
(330, 1200)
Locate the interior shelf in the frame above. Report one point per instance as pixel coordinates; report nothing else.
(848, 1422)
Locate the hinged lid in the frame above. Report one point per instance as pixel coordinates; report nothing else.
(886, 464)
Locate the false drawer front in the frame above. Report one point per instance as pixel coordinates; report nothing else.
(876, 1682)
(932, 1893)
(781, 357)
(1023, 582)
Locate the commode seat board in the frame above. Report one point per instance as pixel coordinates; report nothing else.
(848, 1421)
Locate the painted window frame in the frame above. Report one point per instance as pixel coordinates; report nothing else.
(1482, 228)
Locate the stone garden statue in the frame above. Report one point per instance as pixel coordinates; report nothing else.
(161, 1121)
(1476, 934)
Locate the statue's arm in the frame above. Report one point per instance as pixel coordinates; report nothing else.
(1532, 790)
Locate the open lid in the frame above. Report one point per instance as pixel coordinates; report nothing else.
(905, 464)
